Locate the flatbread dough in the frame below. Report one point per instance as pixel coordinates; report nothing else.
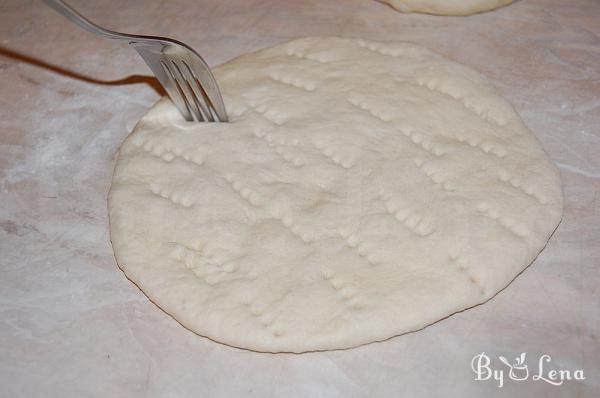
(361, 190)
(446, 7)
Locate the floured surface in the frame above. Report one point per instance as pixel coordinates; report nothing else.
(362, 190)
(446, 7)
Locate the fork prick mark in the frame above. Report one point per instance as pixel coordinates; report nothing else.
(359, 247)
(469, 104)
(461, 266)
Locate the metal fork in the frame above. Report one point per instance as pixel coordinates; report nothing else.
(183, 73)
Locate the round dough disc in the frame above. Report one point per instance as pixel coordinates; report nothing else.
(447, 7)
(361, 190)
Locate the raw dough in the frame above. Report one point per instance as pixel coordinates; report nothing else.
(362, 190)
(446, 7)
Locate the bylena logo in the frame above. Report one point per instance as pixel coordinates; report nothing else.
(482, 366)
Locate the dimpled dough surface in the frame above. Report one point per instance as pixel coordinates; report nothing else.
(446, 7)
(361, 190)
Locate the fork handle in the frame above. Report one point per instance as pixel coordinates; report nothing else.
(68, 12)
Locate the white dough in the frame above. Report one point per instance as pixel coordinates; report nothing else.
(446, 7)
(361, 190)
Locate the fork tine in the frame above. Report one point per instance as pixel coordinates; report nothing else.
(206, 81)
(196, 93)
(176, 95)
(187, 91)
(201, 93)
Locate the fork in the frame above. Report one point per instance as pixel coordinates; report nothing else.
(181, 71)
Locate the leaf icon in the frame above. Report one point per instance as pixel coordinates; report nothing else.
(505, 361)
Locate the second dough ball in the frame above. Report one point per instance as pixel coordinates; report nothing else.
(446, 7)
